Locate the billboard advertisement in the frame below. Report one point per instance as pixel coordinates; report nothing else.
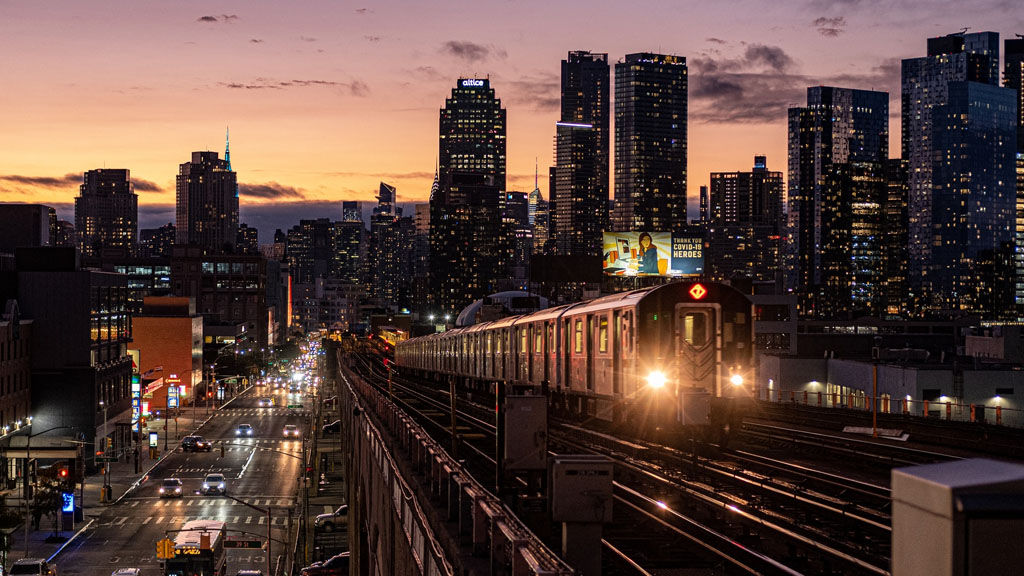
(639, 253)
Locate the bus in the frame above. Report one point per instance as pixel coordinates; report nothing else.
(193, 556)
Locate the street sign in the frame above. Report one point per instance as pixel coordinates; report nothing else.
(106, 459)
(164, 549)
(243, 544)
(295, 406)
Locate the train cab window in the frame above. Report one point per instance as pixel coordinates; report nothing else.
(602, 335)
(578, 339)
(695, 329)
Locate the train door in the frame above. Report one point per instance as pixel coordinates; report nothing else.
(566, 355)
(616, 344)
(589, 343)
(696, 347)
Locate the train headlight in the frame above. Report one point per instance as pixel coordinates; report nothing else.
(736, 379)
(656, 379)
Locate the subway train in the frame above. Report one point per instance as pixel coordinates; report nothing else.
(670, 357)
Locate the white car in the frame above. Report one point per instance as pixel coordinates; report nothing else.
(214, 484)
(171, 488)
(291, 431)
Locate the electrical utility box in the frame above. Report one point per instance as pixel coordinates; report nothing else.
(526, 433)
(581, 488)
(961, 518)
(694, 407)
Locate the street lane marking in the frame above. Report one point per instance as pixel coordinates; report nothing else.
(146, 521)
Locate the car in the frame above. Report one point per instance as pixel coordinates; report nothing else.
(213, 484)
(266, 402)
(35, 566)
(291, 431)
(195, 444)
(333, 566)
(328, 522)
(126, 572)
(249, 573)
(244, 430)
(332, 428)
(171, 488)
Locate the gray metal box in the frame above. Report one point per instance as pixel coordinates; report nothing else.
(962, 518)
(526, 433)
(694, 407)
(581, 489)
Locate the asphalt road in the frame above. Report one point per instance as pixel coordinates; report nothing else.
(262, 470)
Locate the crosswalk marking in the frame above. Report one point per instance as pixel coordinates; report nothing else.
(123, 521)
(146, 521)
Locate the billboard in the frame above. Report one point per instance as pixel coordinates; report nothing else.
(639, 253)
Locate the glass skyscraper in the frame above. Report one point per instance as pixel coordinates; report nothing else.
(580, 187)
(959, 141)
(838, 126)
(650, 142)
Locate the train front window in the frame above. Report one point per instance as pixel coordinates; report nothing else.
(695, 329)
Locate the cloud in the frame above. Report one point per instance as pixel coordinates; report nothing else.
(270, 216)
(307, 38)
(363, 11)
(428, 73)
(269, 191)
(385, 176)
(541, 91)
(471, 51)
(356, 88)
(18, 181)
(223, 19)
(146, 186)
(830, 27)
(716, 40)
(761, 84)
(372, 38)
(256, 40)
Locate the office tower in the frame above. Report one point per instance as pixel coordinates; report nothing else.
(705, 208)
(248, 240)
(106, 212)
(26, 225)
(516, 216)
(157, 241)
(349, 251)
(351, 211)
(469, 248)
(1013, 78)
(838, 126)
(310, 249)
(650, 142)
(421, 256)
(65, 234)
(580, 186)
(279, 249)
(895, 226)
(207, 203)
(387, 284)
(745, 223)
(959, 141)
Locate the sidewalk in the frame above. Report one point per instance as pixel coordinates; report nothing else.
(122, 479)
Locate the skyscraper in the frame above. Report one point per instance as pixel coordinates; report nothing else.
(745, 223)
(207, 203)
(469, 248)
(1013, 78)
(838, 126)
(248, 241)
(388, 252)
(959, 141)
(106, 212)
(157, 241)
(580, 186)
(650, 142)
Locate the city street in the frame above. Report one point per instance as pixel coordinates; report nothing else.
(262, 470)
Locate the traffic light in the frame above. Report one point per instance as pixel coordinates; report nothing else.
(62, 472)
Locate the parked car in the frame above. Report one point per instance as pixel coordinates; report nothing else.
(333, 566)
(328, 522)
(171, 488)
(213, 484)
(34, 566)
(291, 431)
(196, 444)
(244, 430)
(332, 428)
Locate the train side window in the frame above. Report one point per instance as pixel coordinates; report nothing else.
(538, 338)
(602, 334)
(579, 337)
(523, 346)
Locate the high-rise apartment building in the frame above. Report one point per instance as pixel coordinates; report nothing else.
(26, 225)
(745, 223)
(157, 241)
(248, 240)
(959, 141)
(1013, 78)
(351, 211)
(106, 212)
(311, 247)
(650, 142)
(580, 186)
(390, 252)
(469, 248)
(207, 203)
(838, 126)
(895, 225)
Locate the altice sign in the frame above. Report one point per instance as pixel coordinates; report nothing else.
(473, 83)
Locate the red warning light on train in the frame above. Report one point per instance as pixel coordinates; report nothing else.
(698, 291)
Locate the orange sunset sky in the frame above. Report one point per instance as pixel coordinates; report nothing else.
(325, 99)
